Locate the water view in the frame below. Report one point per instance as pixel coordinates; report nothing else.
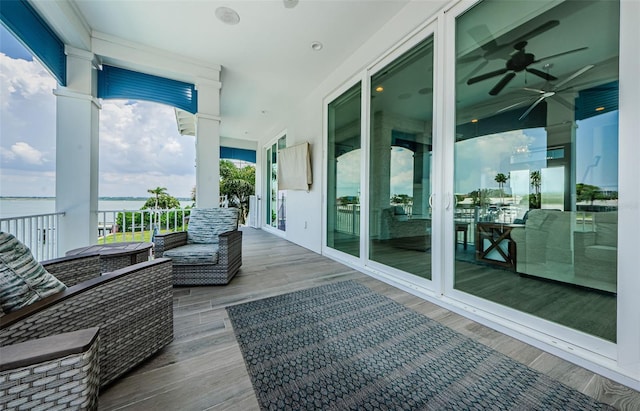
(25, 206)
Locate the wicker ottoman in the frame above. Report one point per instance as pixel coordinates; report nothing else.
(51, 373)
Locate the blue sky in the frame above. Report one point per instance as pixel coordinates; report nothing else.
(140, 147)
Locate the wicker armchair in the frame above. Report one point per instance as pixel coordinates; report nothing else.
(209, 252)
(132, 307)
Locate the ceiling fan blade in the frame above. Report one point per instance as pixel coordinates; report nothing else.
(481, 33)
(541, 74)
(537, 31)
(474, 71)
(531, 107)
(529, 35)
(574, 75)
(560, 54)
(502, 83)
(469, 59)
(486, 76)
(510, 106)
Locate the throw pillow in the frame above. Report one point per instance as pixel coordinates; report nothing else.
(23, 280)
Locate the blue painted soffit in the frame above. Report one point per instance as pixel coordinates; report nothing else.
(21, 19)
(597, 100)
(119, 83)
(238, 154)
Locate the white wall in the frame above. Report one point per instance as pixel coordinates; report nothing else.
(305, 120)
(305, 123)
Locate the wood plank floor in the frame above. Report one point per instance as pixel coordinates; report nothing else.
(203, 369)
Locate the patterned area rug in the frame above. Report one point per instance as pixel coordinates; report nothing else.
(344, 347)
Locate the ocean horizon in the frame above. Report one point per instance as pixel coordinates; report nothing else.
(19, 206)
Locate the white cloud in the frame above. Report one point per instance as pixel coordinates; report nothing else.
(27, 153)
(27, 111)
(478, 160)
(6, 154)
(140, 146)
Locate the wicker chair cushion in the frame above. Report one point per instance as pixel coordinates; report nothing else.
(205, 224)
(193, 254)
(23, 280)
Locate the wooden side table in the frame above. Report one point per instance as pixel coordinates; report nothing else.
(115, 256)
(462, 227)
(494, 244)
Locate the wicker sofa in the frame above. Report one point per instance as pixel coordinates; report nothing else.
(132, 307)
(209, 252)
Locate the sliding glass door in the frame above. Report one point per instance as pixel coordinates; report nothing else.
(536, 159)
(276, 203)
(343, 172)
(401, 145)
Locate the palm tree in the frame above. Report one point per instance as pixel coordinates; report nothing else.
(536, 182)
(501, 179)
(158, 191)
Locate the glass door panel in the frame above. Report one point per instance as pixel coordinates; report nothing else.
(401, 162)
(536, 159)
(343, 175)
(276, 203)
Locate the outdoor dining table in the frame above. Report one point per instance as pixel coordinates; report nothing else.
(114, 256)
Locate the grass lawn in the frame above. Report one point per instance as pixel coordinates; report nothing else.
(143, 236)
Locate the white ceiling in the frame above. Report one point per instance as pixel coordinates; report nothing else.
(267, 61)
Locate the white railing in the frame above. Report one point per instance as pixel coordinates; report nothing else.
(348, 219)
(139, 225)
(38, 232)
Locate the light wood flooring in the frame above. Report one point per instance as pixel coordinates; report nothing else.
(203, 369)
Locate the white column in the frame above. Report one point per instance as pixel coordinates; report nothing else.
(208, 144)
(77, 121)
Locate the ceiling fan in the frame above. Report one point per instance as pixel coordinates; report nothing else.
(544, 94)
(492, 49)
(519, 61)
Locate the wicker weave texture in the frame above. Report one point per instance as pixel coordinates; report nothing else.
(133, 309)
(110, 263)
(74, 270)
(168, 241)
(229, 262)
(229, 259)
(69, 382)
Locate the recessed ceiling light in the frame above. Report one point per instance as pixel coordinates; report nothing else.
(290, 3)
(599, 108)
(475, 120)
(425, 90)
(316, 46)
(227, 15)
(379, 89)
(404, 96)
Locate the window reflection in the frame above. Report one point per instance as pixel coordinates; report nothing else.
(536, 158)
(343, 177)
(401, 162)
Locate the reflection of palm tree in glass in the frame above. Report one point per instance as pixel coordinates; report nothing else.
(501, 179)
(536, 183)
